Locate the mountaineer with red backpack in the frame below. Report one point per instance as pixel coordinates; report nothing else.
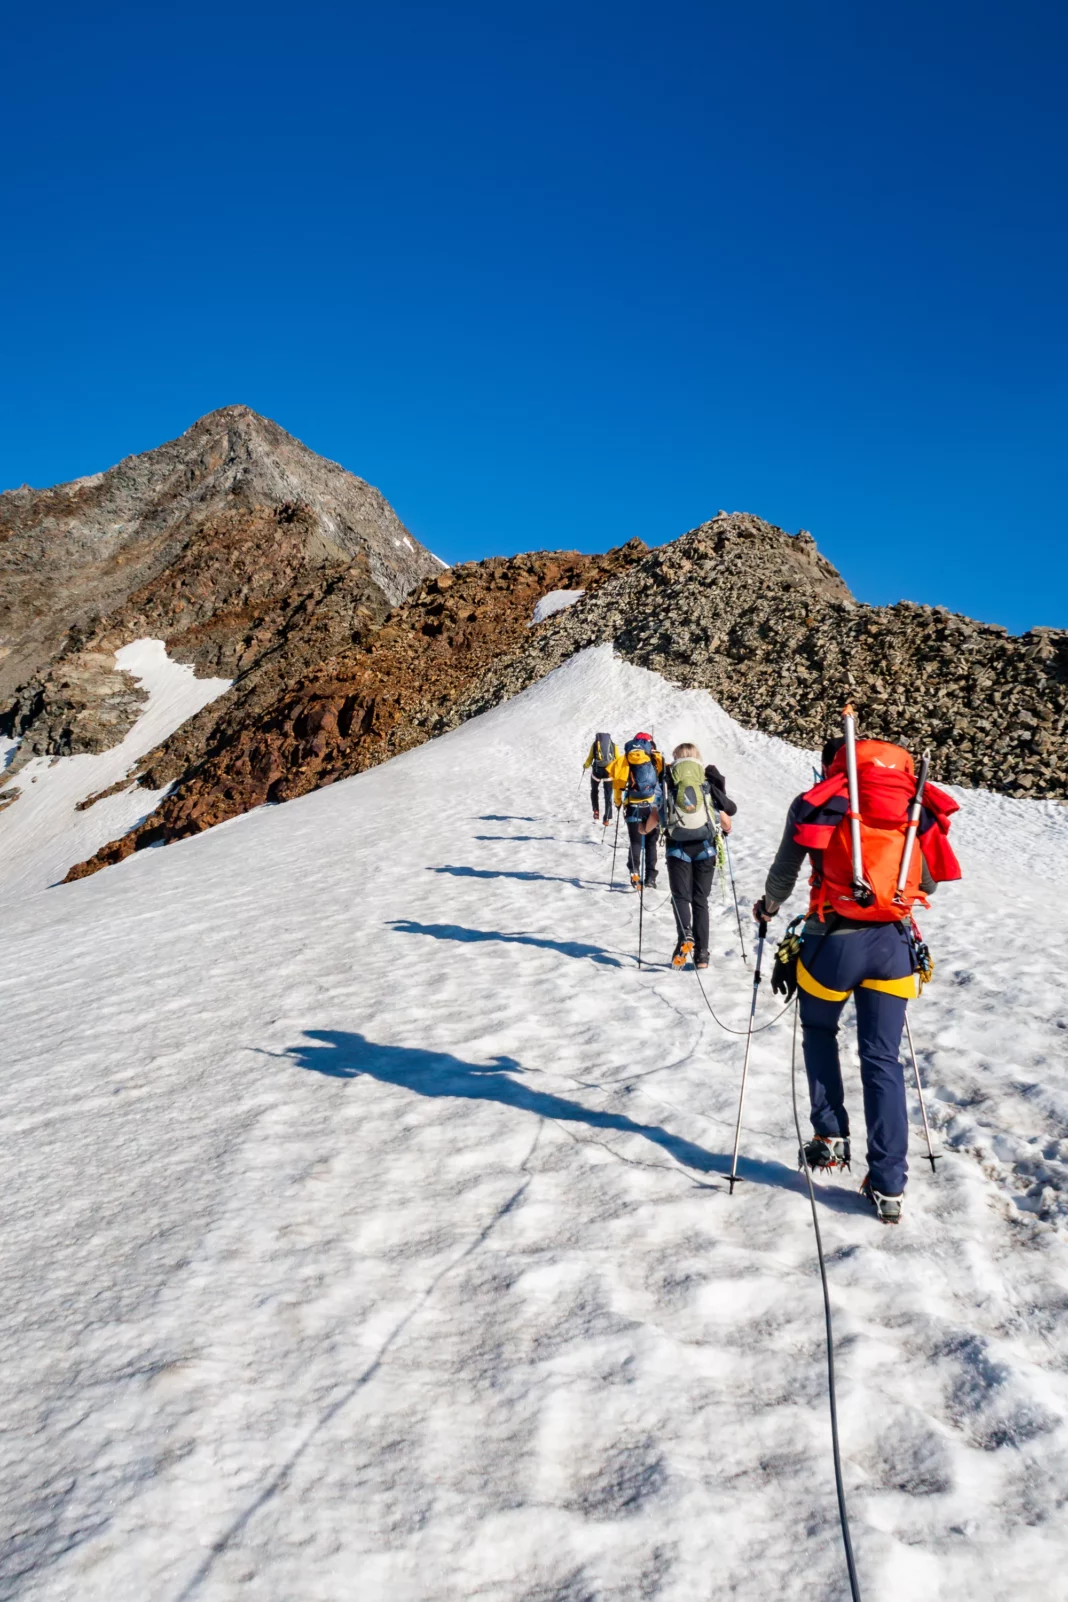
(636, 782)
(602, 754)
(876, 838)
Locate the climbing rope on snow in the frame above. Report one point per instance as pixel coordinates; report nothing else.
(843, 1513)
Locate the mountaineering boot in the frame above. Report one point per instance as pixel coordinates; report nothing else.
(826, 1151)
(636, 880)
(888, 1208)
(681, 952)
(701, 959)
(650, 879)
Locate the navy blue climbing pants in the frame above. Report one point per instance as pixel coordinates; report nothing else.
(873, 962)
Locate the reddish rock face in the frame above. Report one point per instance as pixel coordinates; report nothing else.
(391, 689)
(213, 542)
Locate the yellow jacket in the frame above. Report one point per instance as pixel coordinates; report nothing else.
(619, 772)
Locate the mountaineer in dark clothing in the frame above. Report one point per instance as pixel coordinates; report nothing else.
(859, 938)
(602, 754)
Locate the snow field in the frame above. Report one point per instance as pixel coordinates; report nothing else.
(42, 834)
(367, 1230)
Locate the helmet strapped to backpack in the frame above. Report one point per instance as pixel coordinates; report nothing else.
(688, 809)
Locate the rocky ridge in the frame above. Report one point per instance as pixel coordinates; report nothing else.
(737, 607)
(214, 541)
(776, 637)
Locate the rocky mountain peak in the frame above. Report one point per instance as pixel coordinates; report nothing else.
(210, 541)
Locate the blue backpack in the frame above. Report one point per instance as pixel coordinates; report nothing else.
(643, 780)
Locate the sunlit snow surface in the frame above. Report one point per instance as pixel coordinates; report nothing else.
(367, 1235)
(42, 833)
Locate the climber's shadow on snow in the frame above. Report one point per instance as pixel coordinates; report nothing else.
(436, 1073)
(456, 931)
(341, 1055)
(508, 873)
(502, 817)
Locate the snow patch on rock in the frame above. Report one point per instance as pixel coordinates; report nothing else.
(42, 833)
(555, 601)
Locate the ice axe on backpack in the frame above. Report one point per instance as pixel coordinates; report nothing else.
(863, 894)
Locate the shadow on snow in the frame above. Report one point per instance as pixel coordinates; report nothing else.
(339, 1054)
(456, 931)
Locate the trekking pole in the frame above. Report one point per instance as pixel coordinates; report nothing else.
(932, 1157)
(734, 892)
(615, 843)
(762, 934)
(641, 910)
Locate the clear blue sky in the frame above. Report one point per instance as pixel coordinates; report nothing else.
(557, 275)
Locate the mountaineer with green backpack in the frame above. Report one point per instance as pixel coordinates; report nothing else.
(697, 810)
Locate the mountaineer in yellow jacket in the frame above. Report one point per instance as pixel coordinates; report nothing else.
(636, 783)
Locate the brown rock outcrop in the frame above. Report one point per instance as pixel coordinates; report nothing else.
(392, 688)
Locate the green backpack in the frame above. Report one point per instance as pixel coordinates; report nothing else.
(689, 810)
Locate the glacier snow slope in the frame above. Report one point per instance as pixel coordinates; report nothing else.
(42, 833)
(367, 1234)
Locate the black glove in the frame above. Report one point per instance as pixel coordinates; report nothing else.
(784, 976)
(762, 912)
(784, 972)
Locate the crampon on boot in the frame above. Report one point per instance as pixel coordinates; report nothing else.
(636, 880)
(681, 952)
(650, 879)
(888, 1208)
(825, 1152)
(701, 959)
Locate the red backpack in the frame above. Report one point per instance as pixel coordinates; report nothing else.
(886, 786)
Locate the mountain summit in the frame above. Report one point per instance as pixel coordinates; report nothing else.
(210, 540)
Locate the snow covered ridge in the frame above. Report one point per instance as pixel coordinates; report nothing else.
(555, 601)
(42, 833)
(367, 1231)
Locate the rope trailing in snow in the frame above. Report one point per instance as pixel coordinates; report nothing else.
(843, 1514)
(727, 1029)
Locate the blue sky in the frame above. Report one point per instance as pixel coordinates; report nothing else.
(559, 275)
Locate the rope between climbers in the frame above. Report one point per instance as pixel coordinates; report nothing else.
(843, 1514)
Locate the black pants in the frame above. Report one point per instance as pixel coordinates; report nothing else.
(640, 843)
(594, 782)
(690, 883)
